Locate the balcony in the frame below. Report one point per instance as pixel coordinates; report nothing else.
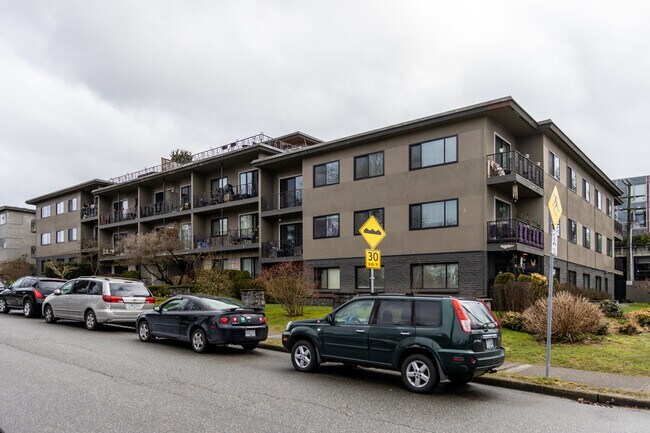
(118, 216)
(516, 174)
(164, 207)
(32, 226)
(637, 250)
(89, 213)
(227, 194)
(282, 203)
(232, 239)
(514, 232)
(282, 249)
(618, 230)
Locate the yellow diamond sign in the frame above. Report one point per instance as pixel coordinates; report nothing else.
(555, 207)
(372, 232)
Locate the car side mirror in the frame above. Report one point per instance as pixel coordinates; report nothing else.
(329, 319)
(156, 309)
(57, 291)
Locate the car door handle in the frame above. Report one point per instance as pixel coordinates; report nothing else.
(361, 331)
(404, 333)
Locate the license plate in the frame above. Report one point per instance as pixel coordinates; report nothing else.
(489, 344)
(249, 333)
(133, 306)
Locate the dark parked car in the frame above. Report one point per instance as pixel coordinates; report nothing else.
(204, 320)
(427, 338)
(28, 294)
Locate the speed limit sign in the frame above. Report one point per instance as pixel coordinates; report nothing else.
(373, 259)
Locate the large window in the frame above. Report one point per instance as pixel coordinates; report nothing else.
(599, 243)
(369, 166)
(586, 237)
(573, 231)
(599, 200)
(573, 179)
(45, 239)
(326, 174)
(434, 214)
(360, 217)
(45, 211)
(72, 235)
(610, 208)
(252, 265)
(248, 183)
(326, 226)
(72, 205)
(435, 276)
(219, 183)
(554, 165)
(586, 190)
(60, 236)
(328, 278)
(436, 152)
(60, 208)
(186, 197)
(363, 278)
(219, 227)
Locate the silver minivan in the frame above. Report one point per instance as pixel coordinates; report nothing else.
(97, 300)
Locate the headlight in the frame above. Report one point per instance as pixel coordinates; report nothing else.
(288, 326)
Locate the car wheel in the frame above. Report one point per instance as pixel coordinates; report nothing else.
(49, 314)
(28, 308)
(198, 340)
(90, 320)
(304, 356)
(3, 306)
(249, 346)
(462, 380)
(144, 332)
(419, 373)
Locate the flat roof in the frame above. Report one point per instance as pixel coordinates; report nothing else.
(84, 186)
(17, 209)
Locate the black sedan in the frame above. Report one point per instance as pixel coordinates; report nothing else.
(204, 320)
(27, 294)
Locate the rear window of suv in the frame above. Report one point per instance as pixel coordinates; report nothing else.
(478, 314)
(50, 285)
(129, 289)
(428, 313)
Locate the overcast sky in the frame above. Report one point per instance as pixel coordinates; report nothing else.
(93, 89)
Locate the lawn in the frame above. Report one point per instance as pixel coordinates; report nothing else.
(635, 306)
(278, 317)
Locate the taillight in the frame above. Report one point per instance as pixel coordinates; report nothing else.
(265, 319)
(112, 299)
(234, 319)
(465, 323)
(38, 294)
(149, 300)
(223, 319)
(493, 316)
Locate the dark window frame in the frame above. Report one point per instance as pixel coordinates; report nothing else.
(367, 156)
(338, 180)
(445, 225)
(573, 231)
(366, 289)
(586, 237)
(599, 243)
(338, 216)
(554, 170)
(354, 219)
(572, 180)
(444, 139)
(445, 289)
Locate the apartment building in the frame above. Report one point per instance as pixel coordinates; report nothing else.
(66, 223)
(16, 234)
(462, 196)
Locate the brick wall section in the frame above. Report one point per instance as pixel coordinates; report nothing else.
(565, 267)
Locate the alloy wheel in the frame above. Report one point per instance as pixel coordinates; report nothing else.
(3, 305)
(90, 320)
(417, 373)
(49, 316)
(143, 331)
(198, 341)
(302, 356)
(27, 309)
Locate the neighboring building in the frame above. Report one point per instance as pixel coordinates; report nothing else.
(462, 195)
(639, 204)
(16, 234)
(66, 223)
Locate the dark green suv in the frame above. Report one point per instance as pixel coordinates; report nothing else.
(427, 338)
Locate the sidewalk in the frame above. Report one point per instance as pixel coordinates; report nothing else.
(604, 388)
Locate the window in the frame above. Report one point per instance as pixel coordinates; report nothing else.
(329, 278)
(573, 231)
(586, 237)
(45, 211)
(72, 235)
(501, 210)
(360, 217)
(428, 313)
(291, 192)
(436, 152)
(573, 179)
(248, 227)
(369, 166)
(219, 227)
(60, 236)
(186, 197)
(252, 265)
(3, 218)
(394, 313)
(586, 190)
(435, 277)
(326, 174)
(45, 239)
(609, 247)
(59, 208)
(72, 205)
(599, 200)
(216, 184)
(220, 264)
(326, 226)
(573, 279)
(556, 273)
(609, 208)
(586, 281)
(355, 313)
(434, 214)
(599, 243)
(599, 283)
(363, 278)
(248, 183)
(554, 165)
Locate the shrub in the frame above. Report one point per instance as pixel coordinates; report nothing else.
(628, 328)
(504, 277)
(160, 290)
(133, 274)
(241, 280)
(523, 278)
(574, 318)
(641, 317)
(288, 286)
(214, 282)
(512, 320)
(513, 296)
(610, 309)
(594, 295)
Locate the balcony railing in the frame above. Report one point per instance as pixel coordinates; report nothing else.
(618, 229)
(274, 249)
(282, 200)
(637, 250)
(226, 194)
(229, 238)
(32, 227)
(504, 163)
(119, 216)
(515, 231)
(89, 212)
(164, 207)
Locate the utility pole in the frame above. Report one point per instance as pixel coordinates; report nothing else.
(630, 221)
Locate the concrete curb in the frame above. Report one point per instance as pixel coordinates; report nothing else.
(272, 347)
(590, 396)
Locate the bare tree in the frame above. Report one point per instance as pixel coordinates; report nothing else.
(62, 270)
(288, 285)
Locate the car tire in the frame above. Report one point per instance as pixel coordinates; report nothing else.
(4, 308)
(198, 341)
(48, 314)
(144, 331)
(304, 357)
(419, 373)
(249, 346)
(90, 320)
(463, 379)
(28, 308)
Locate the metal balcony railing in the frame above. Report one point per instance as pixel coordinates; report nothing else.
(282, 200)
(504, 163)
(228, 238)
(515, 231)
(618, 229)
(226, 194)
(164, 207)
(274, 249)
(119, 216)
(89, 212)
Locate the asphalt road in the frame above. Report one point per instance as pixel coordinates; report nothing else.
(61, 378)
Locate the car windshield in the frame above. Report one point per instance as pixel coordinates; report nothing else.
(129, 289)
(50, 285)
(478, 314)
(221, 303)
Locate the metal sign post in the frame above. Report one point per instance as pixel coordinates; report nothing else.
(373, 233)
(555, 210)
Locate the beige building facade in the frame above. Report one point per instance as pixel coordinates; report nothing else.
(16, 233)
